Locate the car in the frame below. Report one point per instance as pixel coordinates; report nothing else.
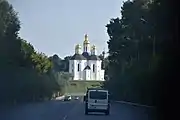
(97, 100)
(76, 98)
(67, 98)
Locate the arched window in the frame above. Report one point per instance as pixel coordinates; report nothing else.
(93, 67)
(78, 67)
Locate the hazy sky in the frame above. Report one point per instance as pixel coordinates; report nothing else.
(56, 26)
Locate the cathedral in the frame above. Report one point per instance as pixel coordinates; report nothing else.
(86, 65)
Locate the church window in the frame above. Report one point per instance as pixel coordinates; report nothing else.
(78, 67)
(93, 67)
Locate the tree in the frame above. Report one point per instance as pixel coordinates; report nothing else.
(27, 75)
(132, 64)
(66, 63)
(41, 63)
(10, 49)
(27, 50)
(60, 70)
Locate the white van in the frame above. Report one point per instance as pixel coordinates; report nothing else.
(97, 100)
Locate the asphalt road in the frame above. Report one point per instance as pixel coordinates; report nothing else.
(74, 110)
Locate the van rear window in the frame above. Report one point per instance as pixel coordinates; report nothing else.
(97, 95)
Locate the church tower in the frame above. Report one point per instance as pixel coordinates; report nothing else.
(86, 44)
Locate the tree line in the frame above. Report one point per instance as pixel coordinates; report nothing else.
(140, 44)
(140, 56)
(26, 74)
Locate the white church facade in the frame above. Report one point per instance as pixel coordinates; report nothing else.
(86, 65)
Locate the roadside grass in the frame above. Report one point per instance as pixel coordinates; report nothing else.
(81, 86)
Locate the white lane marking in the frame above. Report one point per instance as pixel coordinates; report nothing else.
(136, 104)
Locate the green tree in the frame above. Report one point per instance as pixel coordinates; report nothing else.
(26, 75)
(41, 63)
(60, 70)
(66, 63)
(132, 63)
(60, 64)
(10, 50)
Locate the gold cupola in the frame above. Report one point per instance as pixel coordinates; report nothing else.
(86, 41)
(93, 50)
(78, 49)
(93, 47)
(78, 46)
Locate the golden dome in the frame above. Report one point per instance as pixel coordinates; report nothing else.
(93, 47)
(86, 41)
(78, 46)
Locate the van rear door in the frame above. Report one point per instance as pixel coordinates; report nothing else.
(98, 97)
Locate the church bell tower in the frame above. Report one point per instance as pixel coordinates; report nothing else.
(86, 44)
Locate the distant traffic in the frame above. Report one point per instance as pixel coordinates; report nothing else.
(70, 97)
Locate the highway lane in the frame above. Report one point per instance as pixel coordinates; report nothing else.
(74, 110)
(50, 110)
(118, 112)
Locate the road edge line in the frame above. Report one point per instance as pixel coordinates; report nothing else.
(135, 104)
